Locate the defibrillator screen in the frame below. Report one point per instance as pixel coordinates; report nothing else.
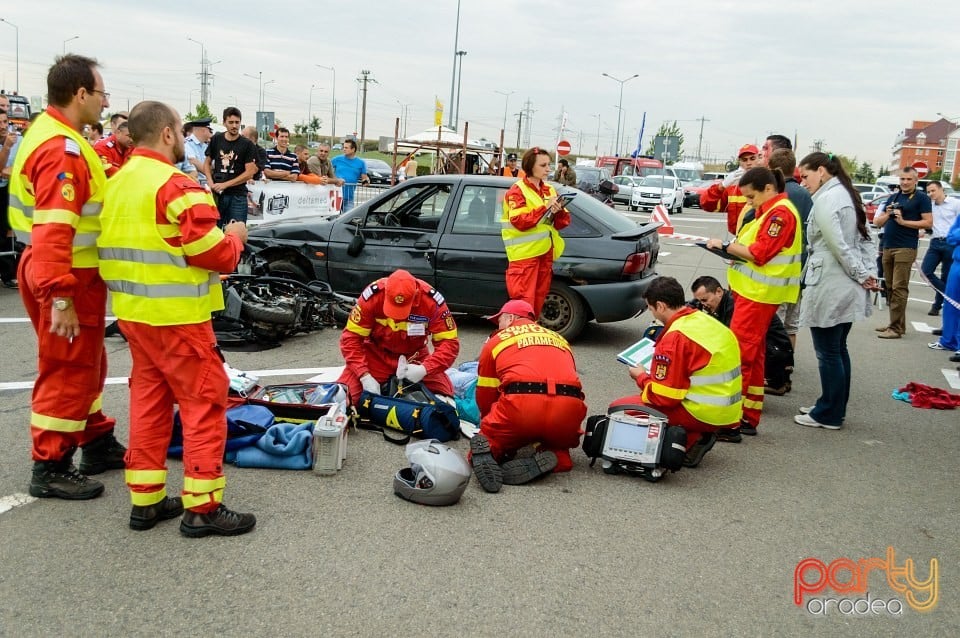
(626, 436)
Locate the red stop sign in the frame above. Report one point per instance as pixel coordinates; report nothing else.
(563, 147)
(922, 169)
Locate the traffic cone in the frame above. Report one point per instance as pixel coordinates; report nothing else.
(661, 215)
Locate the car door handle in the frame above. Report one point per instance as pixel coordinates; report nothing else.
(423, 244)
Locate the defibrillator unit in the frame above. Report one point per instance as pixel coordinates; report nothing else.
(642, 442)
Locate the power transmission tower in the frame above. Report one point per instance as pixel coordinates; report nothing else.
(817, 145)
(528, 112)
(364, 79)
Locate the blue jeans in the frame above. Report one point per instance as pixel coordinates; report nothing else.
(232, 207)
(830, 345)
(940, 253)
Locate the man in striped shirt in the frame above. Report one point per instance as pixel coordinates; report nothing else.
(282, 163)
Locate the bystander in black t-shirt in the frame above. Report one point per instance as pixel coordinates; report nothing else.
(911, 207)
(228, 159)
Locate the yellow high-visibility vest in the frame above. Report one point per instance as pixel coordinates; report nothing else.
(151, 281)
(714, 396)
(22, 213)
(776, 281)
(526, 244)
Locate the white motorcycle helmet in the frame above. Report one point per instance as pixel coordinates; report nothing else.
(437, 475)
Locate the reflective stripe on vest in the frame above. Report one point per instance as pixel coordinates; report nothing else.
(714, 396)
(151, 281)
(526, 244)
(22, 201)
(776, 281)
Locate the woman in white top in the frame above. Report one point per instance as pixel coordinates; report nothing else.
(839, 274)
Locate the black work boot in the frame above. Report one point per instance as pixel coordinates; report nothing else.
(488, 471)
(525, 469)
(102, 454)
(221, 521)
(144, 517)
(59, 479)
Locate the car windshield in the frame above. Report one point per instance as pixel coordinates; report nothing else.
(687, 174)
(659, 182)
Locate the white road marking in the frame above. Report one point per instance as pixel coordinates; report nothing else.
(921, 326)
(26, 385)
(7, 503)
(953, 377)
(27, 319)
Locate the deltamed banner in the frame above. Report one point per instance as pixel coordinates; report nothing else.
(296, 199)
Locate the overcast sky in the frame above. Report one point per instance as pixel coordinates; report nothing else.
(851, 73)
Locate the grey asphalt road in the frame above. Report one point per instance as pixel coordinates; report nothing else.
(706, 552)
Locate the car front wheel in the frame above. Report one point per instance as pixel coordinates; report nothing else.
(563, 311)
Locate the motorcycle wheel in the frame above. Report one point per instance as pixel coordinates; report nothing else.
(255, 311)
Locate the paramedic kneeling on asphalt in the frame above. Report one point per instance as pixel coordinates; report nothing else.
(393, 317)
(528, 392)
(694, 376)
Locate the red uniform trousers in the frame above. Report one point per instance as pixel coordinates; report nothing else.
(517, 420)
(676, 415)
(68, 392)
(750, 322)
(529, 279)
(383, 365)
(177, 364)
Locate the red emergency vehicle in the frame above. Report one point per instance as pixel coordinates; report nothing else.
(636, 166)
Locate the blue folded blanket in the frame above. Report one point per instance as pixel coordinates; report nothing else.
(284, 446)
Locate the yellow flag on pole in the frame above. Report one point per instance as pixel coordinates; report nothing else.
(437, 112)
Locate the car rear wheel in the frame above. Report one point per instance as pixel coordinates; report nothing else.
(678, 209)
(563, 311)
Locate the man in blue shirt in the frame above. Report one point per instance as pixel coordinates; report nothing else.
(352, 170)
(195, 146)
(906, 214)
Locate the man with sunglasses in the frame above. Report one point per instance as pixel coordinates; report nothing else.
(56, 191)
(726, 197)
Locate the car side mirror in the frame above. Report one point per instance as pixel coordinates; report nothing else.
(355, 247)
(607, 187)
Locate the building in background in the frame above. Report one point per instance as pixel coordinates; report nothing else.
(924, 142)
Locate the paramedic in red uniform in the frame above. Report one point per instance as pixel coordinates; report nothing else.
(770, 246)
(726, 197)
(395, 316)
(115, 149)
(161, 254)
(694, 376)
(532, 217)
(56, 190)
(528, 393)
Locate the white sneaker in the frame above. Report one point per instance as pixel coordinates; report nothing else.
(935, 345)
(806, 410)
(810, 422)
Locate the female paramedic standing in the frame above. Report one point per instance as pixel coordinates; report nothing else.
(769, 243)
(530, 225)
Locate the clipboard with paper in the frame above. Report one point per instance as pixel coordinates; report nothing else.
(639, 354)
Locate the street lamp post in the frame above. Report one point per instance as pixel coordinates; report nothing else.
(68, 40)
(17, 47)
(403, 115)
(456, 53)
(142, 96)
(620, 106)
(313, 87)
(506, 100)
(456, 119)
(596, 148)
(333, 110)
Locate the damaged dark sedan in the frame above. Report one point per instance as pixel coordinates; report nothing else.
(445, 229)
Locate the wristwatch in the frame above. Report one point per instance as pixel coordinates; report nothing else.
(62, 303)
(725, 245)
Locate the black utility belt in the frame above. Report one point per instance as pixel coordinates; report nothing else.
(523, 387)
